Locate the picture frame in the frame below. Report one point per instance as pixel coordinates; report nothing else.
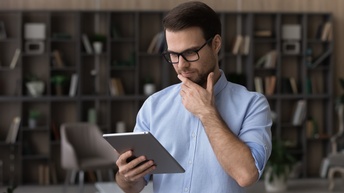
(2, 30)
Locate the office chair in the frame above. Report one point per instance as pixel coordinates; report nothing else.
(84, 149)
(334, 162)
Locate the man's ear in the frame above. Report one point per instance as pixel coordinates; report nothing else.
(216, 44)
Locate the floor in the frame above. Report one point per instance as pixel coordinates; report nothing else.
(294, 186)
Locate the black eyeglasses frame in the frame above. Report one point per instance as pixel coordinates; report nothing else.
(166, 54)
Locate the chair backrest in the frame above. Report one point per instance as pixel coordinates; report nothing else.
(83, 140)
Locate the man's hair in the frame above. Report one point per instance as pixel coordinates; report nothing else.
(193, 14)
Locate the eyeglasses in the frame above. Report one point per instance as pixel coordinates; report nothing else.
(188, 55)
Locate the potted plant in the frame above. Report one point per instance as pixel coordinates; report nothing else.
(10, 189)
(34, 85)
(278, 167)
(33, 117)
(98, 40)
(59, 81)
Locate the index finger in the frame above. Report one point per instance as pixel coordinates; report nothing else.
(185, 81)
(122, 159)
(182, 78)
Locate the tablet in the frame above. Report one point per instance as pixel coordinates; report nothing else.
(144, 143)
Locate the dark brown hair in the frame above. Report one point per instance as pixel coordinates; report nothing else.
(193, 14)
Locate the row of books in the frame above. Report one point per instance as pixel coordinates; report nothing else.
(266, 86)
(47, 174)
(268, 60)
(324, 32)
(241, 45)
(289, 85)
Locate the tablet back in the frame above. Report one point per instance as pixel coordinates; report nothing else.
(144, 143)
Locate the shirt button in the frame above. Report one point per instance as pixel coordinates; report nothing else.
(193, 135)
(190, 162)
(186, 189)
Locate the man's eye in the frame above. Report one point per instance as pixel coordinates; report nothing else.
(189, 53)
(173, 55)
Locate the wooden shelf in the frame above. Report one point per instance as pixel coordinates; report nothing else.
(129, 48)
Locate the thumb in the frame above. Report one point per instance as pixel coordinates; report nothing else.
(210, 82)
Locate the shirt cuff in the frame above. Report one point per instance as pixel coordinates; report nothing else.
(258, 153)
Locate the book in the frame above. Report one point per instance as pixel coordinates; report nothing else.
(263, 33)
(87, 44)
(299, 113)
(15, 58)
(271, 59)
(40, 174)
(309, 86)
(246, 45)
(258, 84)
(293, 85)
(46, 175)
(157, 43)
(120, 86)
(73, 85)
(13, 131)
(326, 32)
(237, 44)
(270, 85)
(309, 128)
(116, 87)
(43, 174)
(58, 59)
(113, 87)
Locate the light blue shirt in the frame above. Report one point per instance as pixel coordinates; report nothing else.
(246, 113)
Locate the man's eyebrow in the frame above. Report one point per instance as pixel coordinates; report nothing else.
(189, 49)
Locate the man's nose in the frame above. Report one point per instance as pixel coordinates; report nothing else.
(182, 62)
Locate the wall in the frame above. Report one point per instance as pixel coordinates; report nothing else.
(334, 6)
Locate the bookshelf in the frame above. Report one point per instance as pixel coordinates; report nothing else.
(126, 38)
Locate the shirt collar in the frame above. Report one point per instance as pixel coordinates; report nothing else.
(221, 83)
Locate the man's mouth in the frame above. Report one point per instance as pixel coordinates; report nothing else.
(186, 74)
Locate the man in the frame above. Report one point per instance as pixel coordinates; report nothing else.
(218, 131)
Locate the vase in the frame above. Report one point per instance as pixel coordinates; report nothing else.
(98, 47)
(148, 89)
(32, 123)
(35, 88)
(277, 184)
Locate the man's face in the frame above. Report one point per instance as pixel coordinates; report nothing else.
(192, 39)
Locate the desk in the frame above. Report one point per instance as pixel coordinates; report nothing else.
(111, 187)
